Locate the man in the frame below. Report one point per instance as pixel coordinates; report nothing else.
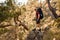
(39, 16)
(36, 33)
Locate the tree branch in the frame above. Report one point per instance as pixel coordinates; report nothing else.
(52, 9)
(23, 25)
(3, 26)
(16, 19)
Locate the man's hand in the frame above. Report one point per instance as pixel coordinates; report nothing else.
(37, 20)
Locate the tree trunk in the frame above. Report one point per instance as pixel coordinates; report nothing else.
(52, 9)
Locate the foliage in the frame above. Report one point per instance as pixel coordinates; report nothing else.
(10, 11)
(23, 9)
(58, 22)
(4, 14)
(3, 30)
(49, 35)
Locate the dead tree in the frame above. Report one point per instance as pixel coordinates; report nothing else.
(53, 10)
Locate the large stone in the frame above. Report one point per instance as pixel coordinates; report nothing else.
(35, 35)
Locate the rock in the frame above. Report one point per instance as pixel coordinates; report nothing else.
(35, 35)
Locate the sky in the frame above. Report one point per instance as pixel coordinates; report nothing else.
(2, 1)
(17, 1)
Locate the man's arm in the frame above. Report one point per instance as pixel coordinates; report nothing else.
(38, 16)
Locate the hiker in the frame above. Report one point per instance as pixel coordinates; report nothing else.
(36, 33)
(39, 16)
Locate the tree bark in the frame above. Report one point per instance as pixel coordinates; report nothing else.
(52, 9)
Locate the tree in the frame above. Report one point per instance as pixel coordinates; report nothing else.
(53, 10)
(8, 12)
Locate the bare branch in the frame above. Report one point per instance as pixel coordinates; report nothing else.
(3, 26)
(25, 26)
(21, 23)
(52, 9)
(16, 19)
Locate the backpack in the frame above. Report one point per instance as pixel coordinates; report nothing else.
(41, 13)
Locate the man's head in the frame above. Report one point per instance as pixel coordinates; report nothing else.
(37, 8)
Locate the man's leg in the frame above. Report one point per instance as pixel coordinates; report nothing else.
(38, 23)
(38, 26)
